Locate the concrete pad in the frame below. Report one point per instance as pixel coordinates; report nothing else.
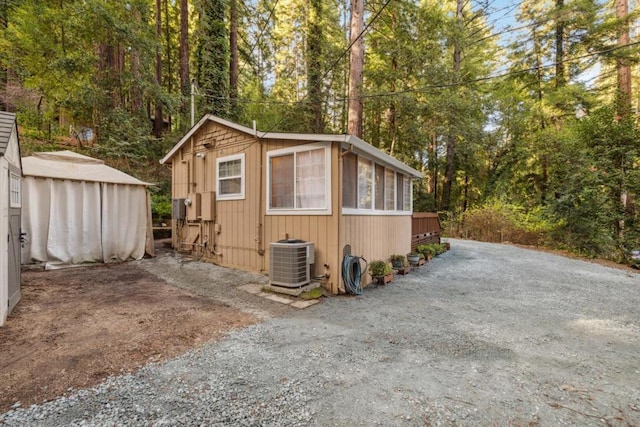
(251, 288)
(292, 291)
(305, 304)
(276, 298)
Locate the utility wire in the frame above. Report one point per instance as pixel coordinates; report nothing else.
(427, 88)
(335, 63)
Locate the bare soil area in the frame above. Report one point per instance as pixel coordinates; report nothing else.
(75, 327)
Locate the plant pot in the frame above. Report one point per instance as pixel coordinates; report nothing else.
(383, 280)
(396, 264)
(403, 270)
(413, 259)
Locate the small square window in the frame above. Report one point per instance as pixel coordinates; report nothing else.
(230, 177)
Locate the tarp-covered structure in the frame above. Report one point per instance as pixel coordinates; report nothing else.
(78, 210)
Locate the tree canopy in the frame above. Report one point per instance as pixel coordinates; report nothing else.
(527, 111)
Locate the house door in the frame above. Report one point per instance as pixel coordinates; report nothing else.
(14, 257)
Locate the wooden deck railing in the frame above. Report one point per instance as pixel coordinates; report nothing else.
(425, 228)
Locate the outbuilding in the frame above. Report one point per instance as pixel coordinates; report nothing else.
(250, 199)
(10, 209)
(78, 210)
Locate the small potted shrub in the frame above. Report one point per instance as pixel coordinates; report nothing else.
(400, 264)
(413, 258)
(381, 272)
(398, 261)
(427, 250)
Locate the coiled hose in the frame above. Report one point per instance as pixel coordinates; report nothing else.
(352, 273)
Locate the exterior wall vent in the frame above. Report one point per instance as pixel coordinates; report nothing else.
(290, 263)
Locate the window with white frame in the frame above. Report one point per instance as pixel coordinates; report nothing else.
(349, 180)
(299, 181)
(379, 183)
(15, 190)
(365, 183)
(389, 190)
(230, 177)
(369, 188)
(406, 205)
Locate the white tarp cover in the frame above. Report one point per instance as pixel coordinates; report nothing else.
(81, 214)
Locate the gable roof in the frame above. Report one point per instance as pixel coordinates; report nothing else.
(354, 142)
(7, 123)
(73, 166)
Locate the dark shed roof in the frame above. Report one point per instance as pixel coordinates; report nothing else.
(7, 122)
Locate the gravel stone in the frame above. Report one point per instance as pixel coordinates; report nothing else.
(485, 334)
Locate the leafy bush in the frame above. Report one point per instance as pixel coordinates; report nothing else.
(426, 250)
(431, 249)
(379, 268)
(497, 221)
(160, 207)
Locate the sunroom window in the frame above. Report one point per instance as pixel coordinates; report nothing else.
(406, 206)
(369, 188)
(298, 180)
(365, 183)
(389, 190)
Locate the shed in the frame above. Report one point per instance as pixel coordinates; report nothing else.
(10, 209)
(78, 210)
(247, 190)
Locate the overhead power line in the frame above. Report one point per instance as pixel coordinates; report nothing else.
(428, 88)
(337, 61)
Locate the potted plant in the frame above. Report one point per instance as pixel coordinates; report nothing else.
(381, 272)
(400, 264)
(421, 261)
(398, 261)
(413, 258)
(427, 250)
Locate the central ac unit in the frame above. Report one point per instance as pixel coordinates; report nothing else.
(289, 263)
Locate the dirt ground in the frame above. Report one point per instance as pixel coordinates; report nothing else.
(75, 327)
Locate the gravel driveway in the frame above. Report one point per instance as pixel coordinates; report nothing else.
(485, 334)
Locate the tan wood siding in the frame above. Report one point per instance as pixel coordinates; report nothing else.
(319, 229)
(245, 231)
(238, 221)
(376, 237)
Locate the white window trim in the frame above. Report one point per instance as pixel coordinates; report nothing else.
(327, 182)
(17, 179)
(377, 212)
(235, 196)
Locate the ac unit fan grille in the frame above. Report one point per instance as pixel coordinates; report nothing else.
(289, 264)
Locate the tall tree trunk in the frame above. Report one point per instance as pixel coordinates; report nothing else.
(624, 97)
(544, 159)
(157, 120)
(314, 64)
(214, 64)
(185, 84)
(449, 172)
(233, 64)
(168, 81)
(622, 65)
(560, 78)
(356, 66)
